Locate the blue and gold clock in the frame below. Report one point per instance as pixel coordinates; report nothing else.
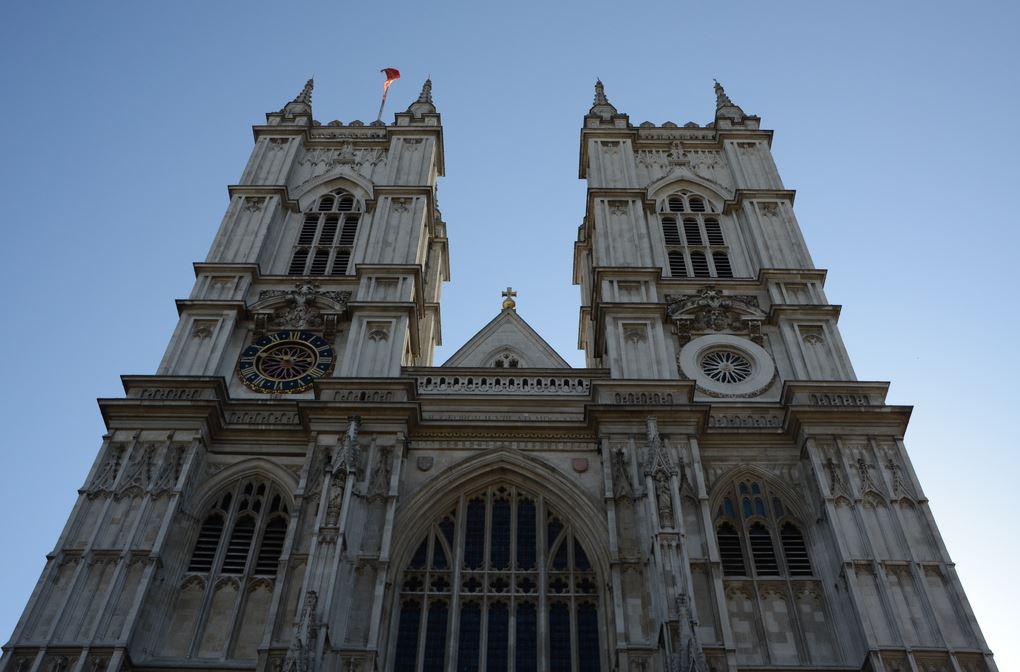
(285, 362)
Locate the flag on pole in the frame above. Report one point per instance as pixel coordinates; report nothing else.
(392, 74)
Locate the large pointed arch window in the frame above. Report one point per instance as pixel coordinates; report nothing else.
(775, 601)
(325, 241)
(757, 536)
(500, 584)
(230, 576)
(692, 232)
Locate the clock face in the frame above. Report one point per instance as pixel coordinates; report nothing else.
(285, 362)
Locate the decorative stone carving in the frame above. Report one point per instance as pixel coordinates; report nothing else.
(657, 459)
(622, 485)
(299, 656)
(401, 204)
(837, 486)
(138, 471)
(664, 500)
(711, 310)
(378, 331)
(254, 203)
(303, 308)
(107, 472)
(380, 485)
(424, 462)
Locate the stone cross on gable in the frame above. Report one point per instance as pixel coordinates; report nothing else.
(508, 298)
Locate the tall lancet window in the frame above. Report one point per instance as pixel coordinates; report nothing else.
(230, 576)
(325, 241)
(771, 587)
(500, 584)
(692, 232)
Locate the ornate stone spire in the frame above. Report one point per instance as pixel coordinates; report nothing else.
(721, 99)
(724, 107)
(302, 103)
(424, 103)
(601, 107)
(306, 93)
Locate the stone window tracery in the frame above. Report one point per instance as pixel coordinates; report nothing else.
(325, 240)
(695, 245)
(504, 578)
(223, 597)
(762, 520)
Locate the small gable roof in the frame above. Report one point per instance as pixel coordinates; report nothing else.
(507, 332)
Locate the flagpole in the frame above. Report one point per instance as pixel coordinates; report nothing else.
(386, 90)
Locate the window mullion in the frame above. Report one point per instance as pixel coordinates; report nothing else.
(249, 566)
(541, 546)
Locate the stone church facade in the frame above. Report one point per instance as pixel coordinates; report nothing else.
(300, 488)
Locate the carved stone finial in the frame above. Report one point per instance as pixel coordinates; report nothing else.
(508, 299)
(306, 93)
(424, 104)
(721, 99)
(601, 106)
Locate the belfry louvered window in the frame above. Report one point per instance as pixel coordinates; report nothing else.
(255, 513)
(749, 523)
(695, 245)
(325, 240)
(237, 552)
(505, 576)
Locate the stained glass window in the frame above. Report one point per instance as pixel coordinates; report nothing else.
(503, 557)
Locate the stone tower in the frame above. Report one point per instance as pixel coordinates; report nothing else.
(300, 489)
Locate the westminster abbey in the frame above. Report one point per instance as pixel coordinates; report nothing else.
(300, 488)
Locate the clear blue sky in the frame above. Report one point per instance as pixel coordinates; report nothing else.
(894, 122)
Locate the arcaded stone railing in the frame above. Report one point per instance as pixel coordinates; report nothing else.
(502, 384)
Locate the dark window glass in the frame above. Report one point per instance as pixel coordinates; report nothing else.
(407, 637)
(714, 232)
(697, 205)
(670, 232)
(319, 262)
(420, 555)
(435, 637)
(677, 265)
(470, 638)
(346, 203)
(499, 552)
(553, 531)
(349, 231)
(329, 230)
(560, 559)
(692, 232)
(297, 262)
(699, 264)
(580, 558)
(496, 655)
(762, 551)
(588, 638)
(559, 638)
(272, 546)
(526, 649)
(343, 258)
(474, 539)
(239, 545)
(722, 265)
(729, 551)
(325, 203)
(676, 204)
(208, 540)
(308, 229)
(797, 561)
(438, 555)
(526, 534)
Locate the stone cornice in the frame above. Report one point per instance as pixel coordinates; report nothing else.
(778, 310)
(210, 306)
(265, 190)
(742, 195)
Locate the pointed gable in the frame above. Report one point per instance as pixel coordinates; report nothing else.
(510, 339)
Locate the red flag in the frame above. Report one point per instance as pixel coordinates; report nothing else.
(391, 75)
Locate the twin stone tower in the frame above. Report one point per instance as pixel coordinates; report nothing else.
(299, 488)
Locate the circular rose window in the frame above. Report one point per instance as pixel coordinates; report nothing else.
(726, 366)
